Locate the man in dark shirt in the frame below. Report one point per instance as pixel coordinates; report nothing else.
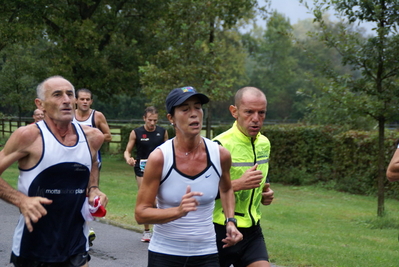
(146, 138)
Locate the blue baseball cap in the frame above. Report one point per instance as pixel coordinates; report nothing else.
(178, 95)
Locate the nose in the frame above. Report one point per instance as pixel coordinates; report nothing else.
(66, 99)
(255, 117)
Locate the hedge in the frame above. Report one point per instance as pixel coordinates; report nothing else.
(326, 155)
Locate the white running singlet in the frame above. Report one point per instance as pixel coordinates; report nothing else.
(193, 234)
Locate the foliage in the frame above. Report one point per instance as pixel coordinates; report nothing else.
(329, 156)
(375, 57)
(94, 44)
(19, 69)
(275, 67)
(200, 50)
(300, 154)
(355, 157)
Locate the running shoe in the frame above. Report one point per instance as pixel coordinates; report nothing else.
(146, 236)
(92, 236)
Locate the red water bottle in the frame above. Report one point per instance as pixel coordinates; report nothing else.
(97, 210)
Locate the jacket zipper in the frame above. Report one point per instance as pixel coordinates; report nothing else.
(253, 190)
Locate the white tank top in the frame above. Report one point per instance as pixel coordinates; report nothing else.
(194, 234)
(89, 121)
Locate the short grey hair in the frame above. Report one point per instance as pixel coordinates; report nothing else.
(40, 88)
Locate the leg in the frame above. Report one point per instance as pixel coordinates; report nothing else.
(147, 233)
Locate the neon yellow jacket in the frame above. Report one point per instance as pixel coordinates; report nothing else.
(244, 154)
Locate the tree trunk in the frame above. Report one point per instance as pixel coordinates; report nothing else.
(381, 166)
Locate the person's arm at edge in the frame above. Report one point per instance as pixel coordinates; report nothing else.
(228, 199)
(15, 149)
(393, 167)
(129, 148)
(102, 125)
(145, 212)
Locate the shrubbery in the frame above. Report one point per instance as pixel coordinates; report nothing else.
(344, 161)
(325, 155)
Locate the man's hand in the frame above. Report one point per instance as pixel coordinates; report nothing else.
(249, 180)
(233, 236)
(96, 192)
(131, 161)
(267, 195)
(32, 209)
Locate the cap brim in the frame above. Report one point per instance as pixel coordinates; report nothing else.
(203, 98)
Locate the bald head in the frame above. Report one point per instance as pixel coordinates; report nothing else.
(40, 90)
(247, 91)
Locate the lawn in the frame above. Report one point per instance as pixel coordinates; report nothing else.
(304, 226)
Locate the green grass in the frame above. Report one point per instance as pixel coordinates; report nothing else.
(309, 226)
(304, 226)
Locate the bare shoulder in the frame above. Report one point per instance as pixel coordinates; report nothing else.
(156, 157)
(94, 136)
(99, 115)
(26, 135)
(225, 155)
(23, 142)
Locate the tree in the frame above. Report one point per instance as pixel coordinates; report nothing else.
(376, 58)
(199, 50)
(20, 66)
(95, 44)
(275, 67)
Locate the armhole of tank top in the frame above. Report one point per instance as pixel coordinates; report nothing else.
(172, 166)
(43, 150)
(212, 163)
(93, 122)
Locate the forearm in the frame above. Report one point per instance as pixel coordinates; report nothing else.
(127, 155)
(9, 194)
(94, 179)
(151, 215)
(228, 203)
(107, 137)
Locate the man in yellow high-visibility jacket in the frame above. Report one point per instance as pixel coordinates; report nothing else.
(250, 152)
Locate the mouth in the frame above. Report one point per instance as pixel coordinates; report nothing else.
(66, 110)
(194, 124)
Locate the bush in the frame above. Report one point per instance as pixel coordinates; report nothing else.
(324, 155)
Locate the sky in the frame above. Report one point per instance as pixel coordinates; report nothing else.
(294, 11)
(291, 8)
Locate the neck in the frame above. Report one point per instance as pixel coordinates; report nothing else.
(189, 148)
(148, 130)
(83, 114)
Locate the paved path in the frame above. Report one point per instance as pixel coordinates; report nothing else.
(113, 246)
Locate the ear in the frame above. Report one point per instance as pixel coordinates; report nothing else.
(170, 118)
(39, 104)
(233, 110)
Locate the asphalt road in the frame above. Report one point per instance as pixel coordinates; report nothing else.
(113, 246)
